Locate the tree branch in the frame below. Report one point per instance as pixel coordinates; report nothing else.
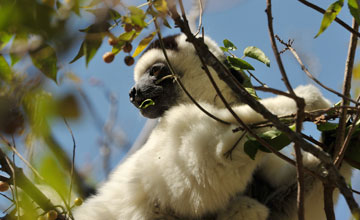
(303, 67)
(299, 116)
(245, 97)
(338, 20)
(25, 184)
(340, 134)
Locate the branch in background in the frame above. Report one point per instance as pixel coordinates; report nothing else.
(343, 148)
(303, 67)
(83, 189)
(300, 102)
(24, 183)
(245, 97)
(328, 201)
(338, 20)
(340, 134)
(72, 165)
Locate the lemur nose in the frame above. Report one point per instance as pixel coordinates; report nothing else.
(132, 94)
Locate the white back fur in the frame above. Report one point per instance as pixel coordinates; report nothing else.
(182, 168)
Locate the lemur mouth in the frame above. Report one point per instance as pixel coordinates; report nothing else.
(146, 103)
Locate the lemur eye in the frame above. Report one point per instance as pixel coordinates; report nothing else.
(155, 70)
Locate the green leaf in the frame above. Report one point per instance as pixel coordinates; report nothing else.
(5, 70)
(45, 59)
(166, 23)
(229, 45)
(251, 147)
(331, 12)
(160, 5)
(352, 154)
(252, 92)
(114, 15)
(75, 7)
(257, 54)
(118, 47)
(96, 28)
(242, 64)
(137, 16)
(354, 10)
(143, 44)
(89, 47)
(4, 39)
(277, 139)
(224, 49)
(327, 126)
(127, 36)
(51, 170)
(79, 54)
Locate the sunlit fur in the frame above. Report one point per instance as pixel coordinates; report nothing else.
(188, 66)
(182, 171)
(182, 168)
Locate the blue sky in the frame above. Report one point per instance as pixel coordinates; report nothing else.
(244, 23)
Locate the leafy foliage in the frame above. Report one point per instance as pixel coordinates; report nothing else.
(275, 138)
(331, 12)
(257, 54)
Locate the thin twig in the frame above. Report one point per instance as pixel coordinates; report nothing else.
(246, 127)
(14, 192)
(224, 74)
(73, 161)
(228, 154)
(300, 114)
(307, 72)
(24, 183)
(272, 90)
(345, 144)
(21, 157)
(355, 191)
(2, 194)
(338, 20)
(340, 134)
(256, 79)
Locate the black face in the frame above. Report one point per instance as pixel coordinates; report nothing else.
(155, 92)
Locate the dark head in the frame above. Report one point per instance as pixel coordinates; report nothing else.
(155, 90)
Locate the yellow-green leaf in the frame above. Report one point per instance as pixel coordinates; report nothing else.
(137, 16)
(257, 54)
(143, 44)
(89, 47)
(229, 45)
(4, 38)
(354, 9)
(239, 63)
(160, 5)
(127, 36)
(44, 58)
(5, 70)
(356, 71)
(331, 12)
(54, 175)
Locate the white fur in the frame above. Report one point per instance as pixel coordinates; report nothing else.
(182, 171)
(187, 64)
(182, 168)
